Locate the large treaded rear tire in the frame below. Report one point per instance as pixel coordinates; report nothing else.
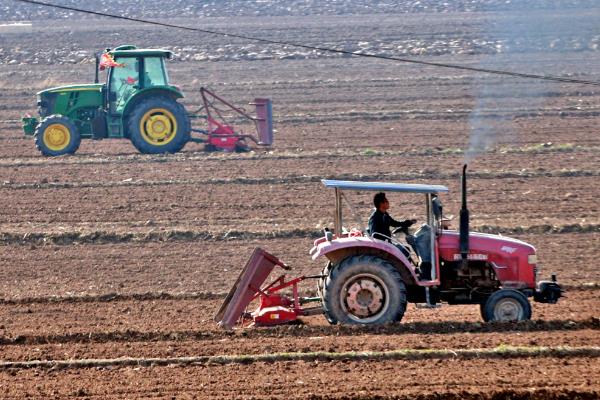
(321, 288)
(158, 125)
(506, 305)
(321, 281)
(364, 290)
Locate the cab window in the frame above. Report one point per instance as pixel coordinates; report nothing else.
(154, 72)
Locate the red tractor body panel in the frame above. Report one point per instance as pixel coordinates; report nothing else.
(509, 257)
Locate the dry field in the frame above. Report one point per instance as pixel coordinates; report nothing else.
(112, 263)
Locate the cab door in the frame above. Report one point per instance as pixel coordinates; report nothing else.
(123, 83)
(155, 73)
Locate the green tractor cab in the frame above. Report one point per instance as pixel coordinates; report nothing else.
(137, 102)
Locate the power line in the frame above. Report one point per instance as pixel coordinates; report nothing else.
(318, 48)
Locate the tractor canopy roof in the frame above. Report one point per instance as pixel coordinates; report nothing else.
(385, 186)
(133, 51)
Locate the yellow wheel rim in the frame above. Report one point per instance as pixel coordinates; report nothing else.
(158, 126)
(57, 137)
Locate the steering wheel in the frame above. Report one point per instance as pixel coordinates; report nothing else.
(400, 229)
(404, 229)
(128, 81)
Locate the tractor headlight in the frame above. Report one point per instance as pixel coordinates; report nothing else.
(532, 259)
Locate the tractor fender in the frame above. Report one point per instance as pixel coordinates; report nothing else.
(339, 249)
(162, 91)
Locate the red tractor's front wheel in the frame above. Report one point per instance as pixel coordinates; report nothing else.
(506, 305)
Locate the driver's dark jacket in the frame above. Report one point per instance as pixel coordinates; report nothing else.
(380, 222)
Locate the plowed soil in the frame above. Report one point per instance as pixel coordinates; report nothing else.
(113, 255)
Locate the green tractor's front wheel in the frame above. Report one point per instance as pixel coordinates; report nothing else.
(158, 125)
(57, 135)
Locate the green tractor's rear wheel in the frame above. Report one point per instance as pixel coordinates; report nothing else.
(158, 125)
(57, 135)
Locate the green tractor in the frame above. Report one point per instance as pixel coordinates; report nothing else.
(138, 103)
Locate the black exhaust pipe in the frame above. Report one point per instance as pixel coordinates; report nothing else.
(96, 77)
(464, 221)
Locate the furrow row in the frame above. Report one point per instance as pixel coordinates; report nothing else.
(34, 161)
(564, 173)
(69, 237)
(306, 331)
(404, 354)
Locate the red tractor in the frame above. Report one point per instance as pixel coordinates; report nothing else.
(369, 280)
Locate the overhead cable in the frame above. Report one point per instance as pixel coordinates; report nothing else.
(318, 48)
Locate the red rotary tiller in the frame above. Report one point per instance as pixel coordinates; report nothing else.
(274, 306)
(221, 135)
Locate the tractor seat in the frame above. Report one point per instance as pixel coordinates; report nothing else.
(421, 244)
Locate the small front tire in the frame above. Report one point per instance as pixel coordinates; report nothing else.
(57, 135)
(506, 305)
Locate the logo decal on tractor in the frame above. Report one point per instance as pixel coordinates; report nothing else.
(476, 257)
(508, 249)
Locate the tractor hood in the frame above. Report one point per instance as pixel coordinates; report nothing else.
(482, 244)
(514, 261)
(96, 87)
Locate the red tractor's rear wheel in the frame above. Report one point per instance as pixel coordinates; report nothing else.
(364, 290)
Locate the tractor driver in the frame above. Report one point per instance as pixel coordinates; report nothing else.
(380, 221)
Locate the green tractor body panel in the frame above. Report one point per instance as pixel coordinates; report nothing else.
(77, 102)
(88, 87)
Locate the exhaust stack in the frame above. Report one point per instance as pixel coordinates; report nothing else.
(96, 77)
(464, 220)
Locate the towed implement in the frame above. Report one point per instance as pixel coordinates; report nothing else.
(370, 280)
(138, 103)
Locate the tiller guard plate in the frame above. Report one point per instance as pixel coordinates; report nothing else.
(247, 287)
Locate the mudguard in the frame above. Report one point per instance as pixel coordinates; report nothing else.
(338, 249)
(161, 91)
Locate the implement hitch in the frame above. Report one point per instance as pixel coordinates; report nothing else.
(274, 307)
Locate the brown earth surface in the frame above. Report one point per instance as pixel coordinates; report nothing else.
(525, 379)
(150, 314)
(109, 254)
